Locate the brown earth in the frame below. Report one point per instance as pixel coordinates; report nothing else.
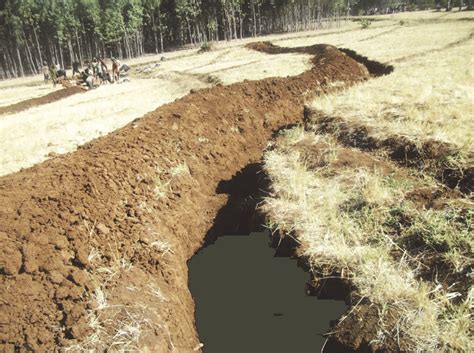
(96, 241)
(375, 68)
(33, 102)
(434, 198)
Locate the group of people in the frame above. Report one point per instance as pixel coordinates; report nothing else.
(92, 74)
(53, 72)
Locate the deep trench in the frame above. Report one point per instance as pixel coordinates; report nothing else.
(251, 292)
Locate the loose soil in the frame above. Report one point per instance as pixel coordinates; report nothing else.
(33, 102)
(104, 233)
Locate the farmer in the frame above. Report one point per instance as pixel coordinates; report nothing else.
(115, 69)
(45, 70)
(95, 67)
(75, 68)
(104, 71)
(88, 78)
(61, 74)
(53, 74)
(124, 68)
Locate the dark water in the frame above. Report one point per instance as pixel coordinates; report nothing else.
(249, 301)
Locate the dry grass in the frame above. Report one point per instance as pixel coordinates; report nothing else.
(428, 96)
(341, 218)
(230, 65)
(12, 95)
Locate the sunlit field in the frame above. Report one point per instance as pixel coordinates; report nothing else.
(430, 94)
(30, 137)
(353, 212)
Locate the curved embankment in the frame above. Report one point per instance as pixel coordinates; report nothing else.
(33, 102)
(94, 244)
(429, 156)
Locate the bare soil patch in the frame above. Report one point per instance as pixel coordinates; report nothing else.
(33, 102)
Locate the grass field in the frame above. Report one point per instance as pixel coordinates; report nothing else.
(430, 94)
(357, 215)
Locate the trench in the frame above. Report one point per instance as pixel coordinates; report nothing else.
(251, 293)
(110, 196)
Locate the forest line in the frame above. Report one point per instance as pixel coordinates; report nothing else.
(33, 32)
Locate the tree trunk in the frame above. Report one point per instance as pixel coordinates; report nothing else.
(61, 54)
(13, 65)
(30, 59)
(22, 72)
(154, 31)
(79, 49)
(38, 48)
(189, 31)
(319, 13)
(161, 31)
(71, 52)
(234, 23)
(254, 34)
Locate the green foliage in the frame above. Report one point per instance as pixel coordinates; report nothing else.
(212, 25)
(365, 23)
(205, 47)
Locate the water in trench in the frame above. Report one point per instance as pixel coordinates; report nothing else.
(248, 301)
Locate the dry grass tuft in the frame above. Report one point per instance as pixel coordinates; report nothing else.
(115, 327)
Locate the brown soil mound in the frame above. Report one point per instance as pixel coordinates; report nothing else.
(96, 241)
(432, 197)
(375, 68)
(33, 102)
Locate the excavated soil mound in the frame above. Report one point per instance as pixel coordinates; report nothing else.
(375, 68)
(33, 102)
(133, 207)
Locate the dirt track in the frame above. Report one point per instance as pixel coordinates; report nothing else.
(32, 102)
(124, 213)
